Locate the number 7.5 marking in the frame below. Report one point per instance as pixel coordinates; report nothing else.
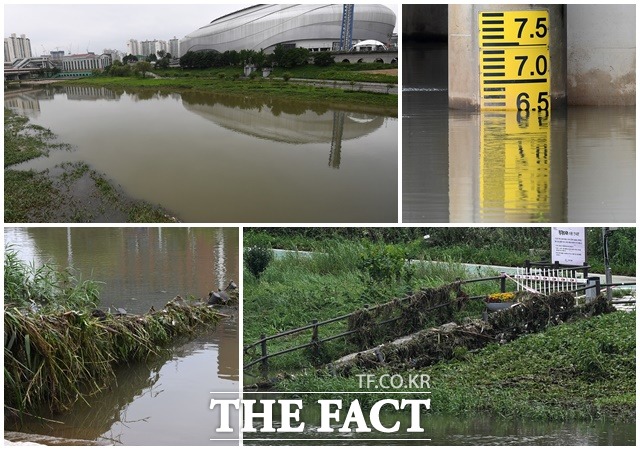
(523, 21)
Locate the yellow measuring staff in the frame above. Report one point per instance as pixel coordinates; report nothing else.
(514, 60)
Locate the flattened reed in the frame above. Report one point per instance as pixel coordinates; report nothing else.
(53, 360)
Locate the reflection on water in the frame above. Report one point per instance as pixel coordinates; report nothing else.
(515, 164)
(220, 158)
(574, 166)
(164, 401)
(481, 429)
(140, 267)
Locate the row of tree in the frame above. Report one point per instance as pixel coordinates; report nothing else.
(281, 57)
(120, 69)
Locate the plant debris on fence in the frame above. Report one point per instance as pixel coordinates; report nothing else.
(532, 313)
(55, 359)
(402, 316)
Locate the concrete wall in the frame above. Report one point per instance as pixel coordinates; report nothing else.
(601, 54)
(594, 50)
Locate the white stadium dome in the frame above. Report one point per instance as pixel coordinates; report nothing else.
(315, 27)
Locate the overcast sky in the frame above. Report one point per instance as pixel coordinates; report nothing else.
(78, 27)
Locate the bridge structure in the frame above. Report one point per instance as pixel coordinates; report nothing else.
(585, 53)
(387, 57)
(19, 74)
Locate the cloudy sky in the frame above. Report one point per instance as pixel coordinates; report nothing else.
(77, 27)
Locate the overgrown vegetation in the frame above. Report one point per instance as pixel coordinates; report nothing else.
(580, 370)
(75, 193)
(484, 367)
(257, 259)
(45, 289)
(295, 289)
(508, 246)
(59, 349)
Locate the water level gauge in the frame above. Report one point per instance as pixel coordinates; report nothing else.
(514, 60)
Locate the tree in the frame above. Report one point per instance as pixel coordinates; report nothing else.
(289, 57)
(323, 59)
(152, 57)
(162, 63)
(143, 67)
(130, 58)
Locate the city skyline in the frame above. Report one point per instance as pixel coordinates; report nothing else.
(76, 29)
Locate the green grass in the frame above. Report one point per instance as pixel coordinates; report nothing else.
(47, 287)
(28, 196)
(580, 370)
(258, 87)
(509, 246)
(340, 279)
(338, 71)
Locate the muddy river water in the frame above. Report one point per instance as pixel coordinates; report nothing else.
(215, 158)
(573, 166)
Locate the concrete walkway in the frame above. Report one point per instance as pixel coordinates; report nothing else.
(346, 85)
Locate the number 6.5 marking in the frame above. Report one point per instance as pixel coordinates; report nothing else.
(522, 102)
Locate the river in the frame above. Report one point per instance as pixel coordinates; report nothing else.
(164, 401)
(215, 158)
(477, 430)
(571, 166)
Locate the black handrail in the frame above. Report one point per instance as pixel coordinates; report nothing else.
(315, 325)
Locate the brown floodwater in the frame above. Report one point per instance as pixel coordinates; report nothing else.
(164, 401)
(216, 158)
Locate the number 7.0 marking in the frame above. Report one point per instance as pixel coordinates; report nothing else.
(522, 59)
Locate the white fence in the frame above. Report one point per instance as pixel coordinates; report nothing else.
(543, 280)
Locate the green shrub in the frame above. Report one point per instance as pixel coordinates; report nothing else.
(286, 76)
(384, 263)
(323, 59)
(257, 260)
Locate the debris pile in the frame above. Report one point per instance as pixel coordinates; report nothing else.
(55, 359)
(531, 314)
(401, 316)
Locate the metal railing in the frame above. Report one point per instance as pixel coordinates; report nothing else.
(551, 282)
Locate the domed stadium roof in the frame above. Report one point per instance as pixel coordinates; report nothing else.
(316, 27)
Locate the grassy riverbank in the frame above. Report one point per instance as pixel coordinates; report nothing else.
(220, 81)
(341, 279)
(363, 72)
(581, 370)
(69, 193)
(578, 370)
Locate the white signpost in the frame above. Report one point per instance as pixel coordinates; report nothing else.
(569, 245)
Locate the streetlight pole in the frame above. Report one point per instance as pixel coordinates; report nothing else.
(606, 232)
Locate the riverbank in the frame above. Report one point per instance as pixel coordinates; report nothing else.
(70, 192)
(584, 370)
(558, 374)
(61, 348)
(349, 94)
